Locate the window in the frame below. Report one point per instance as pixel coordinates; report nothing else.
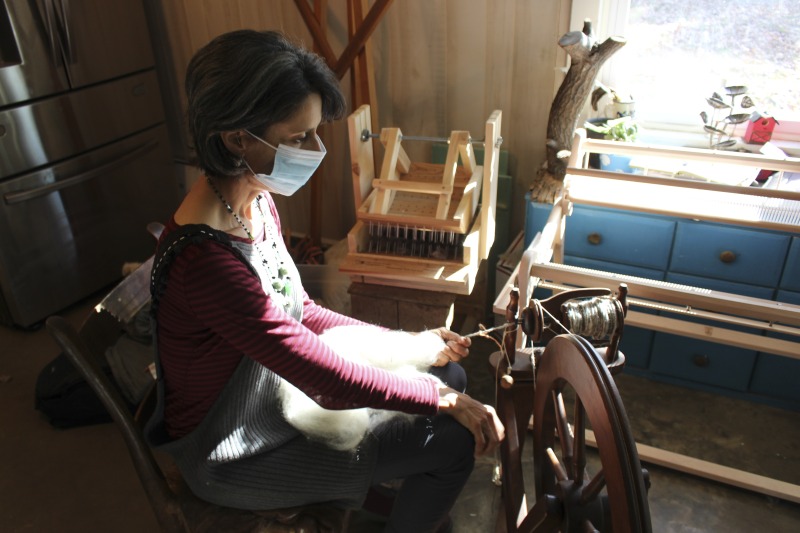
(680, 52)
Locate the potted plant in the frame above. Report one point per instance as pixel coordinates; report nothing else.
(622, 129)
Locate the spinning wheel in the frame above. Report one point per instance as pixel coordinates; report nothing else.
(615, 498)
(543, 382)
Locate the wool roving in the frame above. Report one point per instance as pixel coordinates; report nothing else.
(407, 354)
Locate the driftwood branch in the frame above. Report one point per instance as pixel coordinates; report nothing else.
(586, 58)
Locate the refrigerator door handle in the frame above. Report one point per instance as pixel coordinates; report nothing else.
(62, 13)
(56, 25)
(47, 14)
(30, 194)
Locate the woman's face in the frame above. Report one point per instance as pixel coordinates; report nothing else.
(299, 131)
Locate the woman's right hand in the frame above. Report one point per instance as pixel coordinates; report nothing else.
(481, 420)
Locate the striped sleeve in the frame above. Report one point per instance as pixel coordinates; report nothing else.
(229, 302)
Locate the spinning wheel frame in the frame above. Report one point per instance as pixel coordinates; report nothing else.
(567, 499)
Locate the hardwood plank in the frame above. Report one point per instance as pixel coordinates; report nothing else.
(713, 471)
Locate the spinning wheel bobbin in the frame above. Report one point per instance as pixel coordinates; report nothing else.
(543, 320)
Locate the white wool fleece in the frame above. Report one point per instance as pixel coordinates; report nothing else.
(407, 354)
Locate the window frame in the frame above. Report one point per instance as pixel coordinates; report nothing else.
(610, 17)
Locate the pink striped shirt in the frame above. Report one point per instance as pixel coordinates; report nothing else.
(214, 312)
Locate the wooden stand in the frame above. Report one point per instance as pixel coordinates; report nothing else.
(401, 308)
(435, 199)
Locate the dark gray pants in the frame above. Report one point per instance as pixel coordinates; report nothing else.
(434, 456)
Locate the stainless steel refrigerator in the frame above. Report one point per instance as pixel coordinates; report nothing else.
(84, 158)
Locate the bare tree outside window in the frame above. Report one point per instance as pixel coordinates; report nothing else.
(680, 51)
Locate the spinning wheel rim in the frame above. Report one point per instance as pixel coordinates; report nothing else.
(570, 359)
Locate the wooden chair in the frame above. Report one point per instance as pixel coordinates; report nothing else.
(175, 507)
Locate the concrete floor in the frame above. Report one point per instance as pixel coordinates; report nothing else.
(81, 480)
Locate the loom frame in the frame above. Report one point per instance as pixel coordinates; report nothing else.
(466, 206)
(542, 265)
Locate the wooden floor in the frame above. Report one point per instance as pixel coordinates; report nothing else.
(81, 480)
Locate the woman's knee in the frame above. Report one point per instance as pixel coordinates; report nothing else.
(452, 374)
(460, 442)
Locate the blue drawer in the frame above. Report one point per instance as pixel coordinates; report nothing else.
(788, 297)
(702, 362)
(609, 235)
(636, 344)
(535, 218)
(791, 272)
(778, 376)
(606, 235)
(723, 286)
(730, 253)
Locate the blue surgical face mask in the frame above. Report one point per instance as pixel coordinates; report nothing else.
(292, 169)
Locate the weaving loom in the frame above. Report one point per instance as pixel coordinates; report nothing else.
(542, 265)
(421, 225)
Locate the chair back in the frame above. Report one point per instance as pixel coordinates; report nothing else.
(163, 501)
(176, 508)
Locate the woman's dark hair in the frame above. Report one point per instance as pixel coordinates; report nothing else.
(251, 80)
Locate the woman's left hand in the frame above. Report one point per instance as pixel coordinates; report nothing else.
(456, 347)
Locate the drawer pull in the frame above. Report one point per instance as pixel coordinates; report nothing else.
(727, 257)
(594, 238)
(700, 360)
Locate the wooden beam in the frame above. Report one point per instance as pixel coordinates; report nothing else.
(362, 158)
(390, 137)
(362, 34)
(315, 222)
(317, 32)
(457, 138)
(686, 183)
(721, 335)
(422, 187)
(599, 146)
(693, 297)
(713, 471)
(490, 179)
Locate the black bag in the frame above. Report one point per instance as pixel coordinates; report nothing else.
(63, 395)
(121, 336)
(65, 398)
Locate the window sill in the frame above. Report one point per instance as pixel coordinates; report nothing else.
(693, 139)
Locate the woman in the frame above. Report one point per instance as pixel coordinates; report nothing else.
(232, 318)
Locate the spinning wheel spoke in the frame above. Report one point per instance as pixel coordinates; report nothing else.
(594, 487)
(564, 431)
(588, 527)
(545, 517)
(558, 470)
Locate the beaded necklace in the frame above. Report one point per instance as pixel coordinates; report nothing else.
(281, 283)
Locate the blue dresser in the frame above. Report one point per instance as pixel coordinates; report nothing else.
(722, 257)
